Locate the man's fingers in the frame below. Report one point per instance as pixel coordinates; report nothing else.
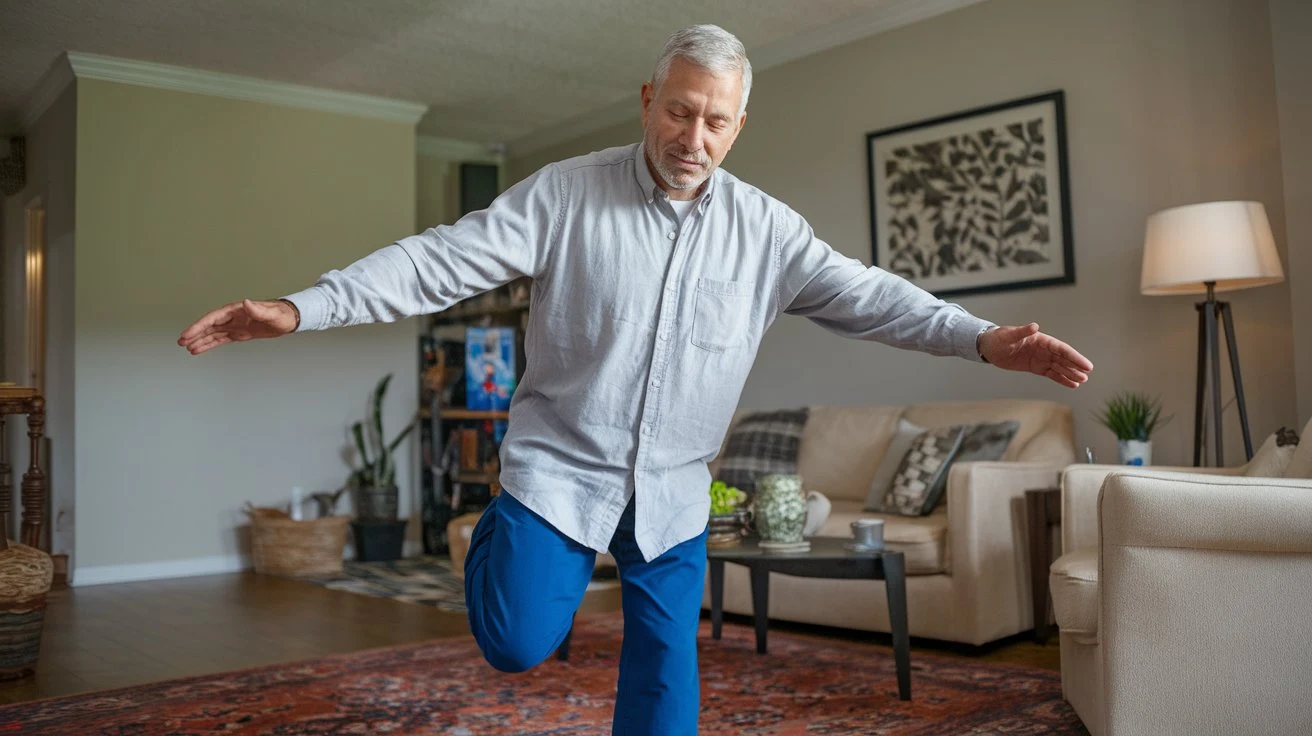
(208, 342)
(205, 325)
(1057, 376)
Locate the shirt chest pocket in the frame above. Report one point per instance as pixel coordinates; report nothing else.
(721, 314)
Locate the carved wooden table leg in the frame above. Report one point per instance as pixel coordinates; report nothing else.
(6, 484)
(34, 480)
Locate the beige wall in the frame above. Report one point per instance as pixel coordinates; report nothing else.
(1291, 32)
(186, 202)
(51, 173)
(437, 191)
(1167, 104)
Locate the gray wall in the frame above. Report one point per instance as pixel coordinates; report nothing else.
(1167, 104)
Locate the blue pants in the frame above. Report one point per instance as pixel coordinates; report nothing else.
(524, 581)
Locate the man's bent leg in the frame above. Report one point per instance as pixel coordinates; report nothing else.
(659, 689)
(523, 582)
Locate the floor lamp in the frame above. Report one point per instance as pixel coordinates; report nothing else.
(1207, 249)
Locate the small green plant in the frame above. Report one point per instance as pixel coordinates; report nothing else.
(1132, 416)
(378, 469)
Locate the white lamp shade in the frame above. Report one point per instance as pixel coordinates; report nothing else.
(1229, 243)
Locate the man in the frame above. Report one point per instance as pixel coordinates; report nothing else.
(655, 275)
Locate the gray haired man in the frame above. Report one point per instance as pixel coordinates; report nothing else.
(655, 274)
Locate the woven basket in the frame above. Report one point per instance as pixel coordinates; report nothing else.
(283, 546)
(25, 577)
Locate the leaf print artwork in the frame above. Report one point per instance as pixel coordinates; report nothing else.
(974, 201)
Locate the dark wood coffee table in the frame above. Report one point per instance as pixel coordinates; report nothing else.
(827, 558)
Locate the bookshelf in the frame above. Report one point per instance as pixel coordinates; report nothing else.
(459, 445)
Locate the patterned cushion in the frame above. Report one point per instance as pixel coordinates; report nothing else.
(923, 470)
(1274, 455)
(905, 434)
(983, 442)
(762, 443)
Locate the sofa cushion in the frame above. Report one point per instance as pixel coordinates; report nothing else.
(921, 539)
(842, 446)
(923, 471)
(762, 443)
(1073, 579)
(905, 434)
(1274, 455)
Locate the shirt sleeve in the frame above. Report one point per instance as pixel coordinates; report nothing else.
(446, 264)
(863, 302)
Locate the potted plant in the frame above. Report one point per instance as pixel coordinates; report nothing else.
(379, 535)
(1133, 417)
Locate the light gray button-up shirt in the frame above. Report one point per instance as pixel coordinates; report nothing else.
(641, 330)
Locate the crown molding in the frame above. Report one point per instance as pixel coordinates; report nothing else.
(250, 89)
(48, 89)
(451, 148)
(888, 16)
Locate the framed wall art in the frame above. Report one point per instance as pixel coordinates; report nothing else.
(976, 201)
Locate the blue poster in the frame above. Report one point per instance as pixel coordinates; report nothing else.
(489, 367)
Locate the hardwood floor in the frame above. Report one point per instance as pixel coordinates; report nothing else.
(112, 636)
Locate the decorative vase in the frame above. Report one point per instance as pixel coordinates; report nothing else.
(1136, 452)
(780, 511)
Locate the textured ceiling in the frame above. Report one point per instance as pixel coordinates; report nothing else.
(490, 70)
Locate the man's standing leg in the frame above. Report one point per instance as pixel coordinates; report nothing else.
(659, 689)
(523, 583)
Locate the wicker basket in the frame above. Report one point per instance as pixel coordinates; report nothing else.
(283, 546)
(25, 577)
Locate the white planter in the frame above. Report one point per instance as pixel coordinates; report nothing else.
(1136, 452)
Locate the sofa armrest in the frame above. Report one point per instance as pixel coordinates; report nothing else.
(1205, 586)
(1080, 485)
(988, 540)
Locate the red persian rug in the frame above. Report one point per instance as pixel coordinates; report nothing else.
(805, 685)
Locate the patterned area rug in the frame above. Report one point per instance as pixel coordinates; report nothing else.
(426, 580)
(805, 685)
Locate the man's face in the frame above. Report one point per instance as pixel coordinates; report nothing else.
(689, 125)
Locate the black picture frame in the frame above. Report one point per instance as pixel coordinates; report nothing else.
(986, 232)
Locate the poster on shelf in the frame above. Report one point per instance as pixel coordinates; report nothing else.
(489, 368)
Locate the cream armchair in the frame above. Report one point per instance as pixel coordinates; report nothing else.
(1184, 600)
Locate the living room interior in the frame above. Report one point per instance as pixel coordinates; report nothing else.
(269, 538)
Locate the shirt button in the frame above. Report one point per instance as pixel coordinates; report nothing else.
(646, 429)
(664, 336)
(670, 236)
(655, 383)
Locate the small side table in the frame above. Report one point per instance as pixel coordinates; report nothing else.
(22, 400)
(1043, 508)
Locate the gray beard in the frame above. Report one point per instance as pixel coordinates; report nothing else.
(671, 179)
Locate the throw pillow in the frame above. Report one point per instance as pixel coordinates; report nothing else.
(924, 467)
(762, 443)
(984, 442)
(903, 436)
(1300, 463)
(1274, 455)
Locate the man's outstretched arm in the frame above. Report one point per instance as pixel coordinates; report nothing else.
(420, 274)
(851, 299)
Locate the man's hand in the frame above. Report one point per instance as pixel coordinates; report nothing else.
(240, 321)
(1024, 348)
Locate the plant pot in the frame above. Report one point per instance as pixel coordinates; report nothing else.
(376, 504)
(378, 541)
(1136, 452)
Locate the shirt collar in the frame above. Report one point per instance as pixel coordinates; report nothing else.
(652, 192)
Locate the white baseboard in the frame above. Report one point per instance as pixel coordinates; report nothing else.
(197, 567)
(105, 574)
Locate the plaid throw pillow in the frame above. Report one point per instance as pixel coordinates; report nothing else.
(760, 444)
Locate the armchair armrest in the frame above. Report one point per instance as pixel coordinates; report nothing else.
(987, 537)
(1080, 485)
(1205, 586)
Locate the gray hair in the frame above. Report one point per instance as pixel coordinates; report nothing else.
(709, 47)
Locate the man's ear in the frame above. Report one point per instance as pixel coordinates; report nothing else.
(648, 96)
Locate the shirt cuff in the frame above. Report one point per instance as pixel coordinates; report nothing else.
(313, 306)
(968, 330)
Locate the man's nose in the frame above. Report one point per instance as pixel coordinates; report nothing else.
(692, 136)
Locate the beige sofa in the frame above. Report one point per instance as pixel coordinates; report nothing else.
(1183, 599)
(967, 563)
